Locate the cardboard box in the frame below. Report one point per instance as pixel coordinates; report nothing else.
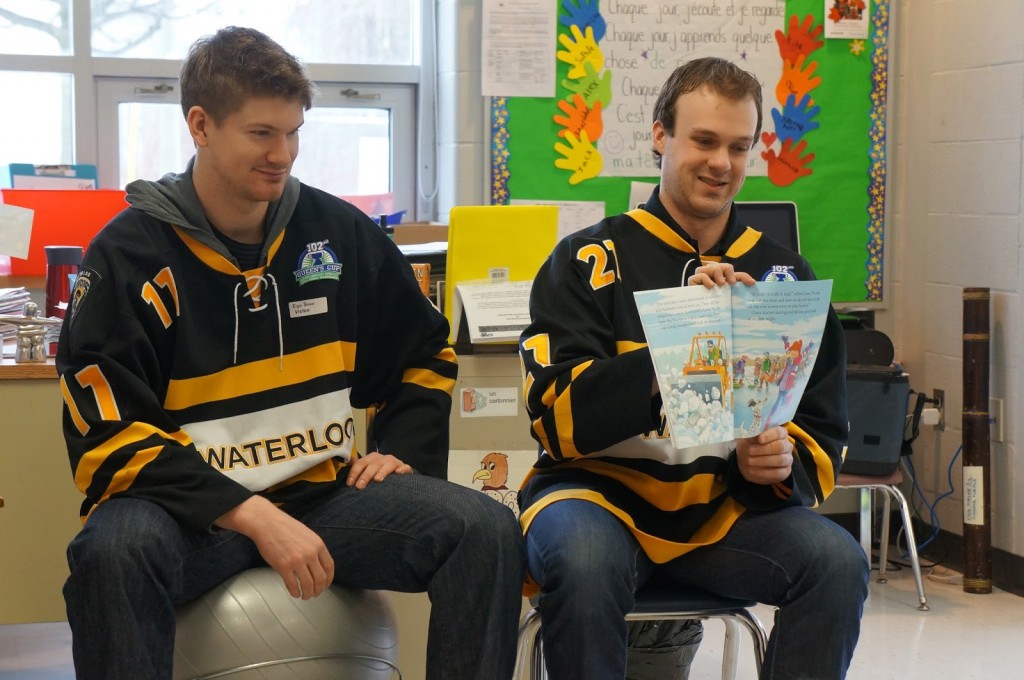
(420, 232)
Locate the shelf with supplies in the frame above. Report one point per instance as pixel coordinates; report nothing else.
(425, 246)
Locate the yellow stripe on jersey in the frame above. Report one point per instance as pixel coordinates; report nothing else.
(542, 435)
(623, 346)
(563, 415)
(210, 257)
(826, 473)
(660, 230)
(257, 376)
(783, 492)
(550, 395)
(447, 354)
(664, 495)
(659, 550)
(272, 250)
(125, 477)
(91, 460)
(76, 415)
(718, 526)
(744, 243)
(428, 379)
(563, 425)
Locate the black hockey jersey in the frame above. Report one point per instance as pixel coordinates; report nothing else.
(589, 377)
(192, 384)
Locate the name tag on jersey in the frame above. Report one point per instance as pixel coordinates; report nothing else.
(307, 307)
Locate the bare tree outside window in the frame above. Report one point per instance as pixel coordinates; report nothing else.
(317, 31)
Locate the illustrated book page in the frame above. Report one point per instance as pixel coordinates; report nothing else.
(732, 361)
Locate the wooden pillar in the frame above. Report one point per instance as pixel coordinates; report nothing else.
(977, 491)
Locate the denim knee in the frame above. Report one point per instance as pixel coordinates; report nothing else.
(579, 546)
(841, 568)
(848, 563)
(123, 535)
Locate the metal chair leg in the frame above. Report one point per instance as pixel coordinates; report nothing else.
(758, 635)
(529, 657)
(883, 546)
(908, 529)
(865, 521)
(530, 651)
(730, 651)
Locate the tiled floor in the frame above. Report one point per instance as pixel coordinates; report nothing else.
(962, 637)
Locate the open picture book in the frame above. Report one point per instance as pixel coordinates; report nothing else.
(732, 361)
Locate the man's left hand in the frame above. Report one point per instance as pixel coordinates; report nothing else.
(766, 458)
(374, 467)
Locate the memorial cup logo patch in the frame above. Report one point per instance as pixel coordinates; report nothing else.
(317, 262)
(779, 272)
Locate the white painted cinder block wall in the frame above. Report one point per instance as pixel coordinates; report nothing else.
(956, 187)
(957, 200)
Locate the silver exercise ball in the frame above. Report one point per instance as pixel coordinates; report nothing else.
(249, 628)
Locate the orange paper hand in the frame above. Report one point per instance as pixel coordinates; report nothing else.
(580, 118)
(788, 166)
(796, 80)
(800, 40)
(580, 157)
(579, 50)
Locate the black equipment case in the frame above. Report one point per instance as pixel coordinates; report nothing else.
(877, 398)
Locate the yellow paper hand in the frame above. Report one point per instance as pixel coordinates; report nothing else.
(579, 50)
(580, 157)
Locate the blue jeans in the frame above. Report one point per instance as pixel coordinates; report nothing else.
(589, 567)
(133, 563)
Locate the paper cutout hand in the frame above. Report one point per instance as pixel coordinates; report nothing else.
(584, 13)
(578, 117)
(788, 166)
(800, 40)
(592, 87)
(581, 157)
(796, 80)
(794, 121)
(579, 50)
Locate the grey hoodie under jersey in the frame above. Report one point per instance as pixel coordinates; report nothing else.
(173, 199)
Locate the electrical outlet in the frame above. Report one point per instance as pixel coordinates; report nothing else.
(995, 419)
(939, 397)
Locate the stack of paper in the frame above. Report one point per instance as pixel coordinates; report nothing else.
(12, 302)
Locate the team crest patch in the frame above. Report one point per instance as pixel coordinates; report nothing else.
(779, 272)
(317, 262)
(84, 282)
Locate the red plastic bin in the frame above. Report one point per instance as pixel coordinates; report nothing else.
(63, 217)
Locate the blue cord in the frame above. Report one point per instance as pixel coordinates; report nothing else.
(933, 517)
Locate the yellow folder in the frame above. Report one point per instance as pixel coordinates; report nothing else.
(497, 243)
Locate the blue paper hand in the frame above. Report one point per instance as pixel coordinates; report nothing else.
(795, 119)
(583, 13)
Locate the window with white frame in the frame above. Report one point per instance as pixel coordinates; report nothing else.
(113, 101)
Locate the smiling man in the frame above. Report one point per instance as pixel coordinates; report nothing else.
(610, 504)
(224, 328)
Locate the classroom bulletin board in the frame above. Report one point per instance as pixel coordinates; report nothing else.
(823, 141)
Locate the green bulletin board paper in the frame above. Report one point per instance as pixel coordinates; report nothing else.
(840, 204)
